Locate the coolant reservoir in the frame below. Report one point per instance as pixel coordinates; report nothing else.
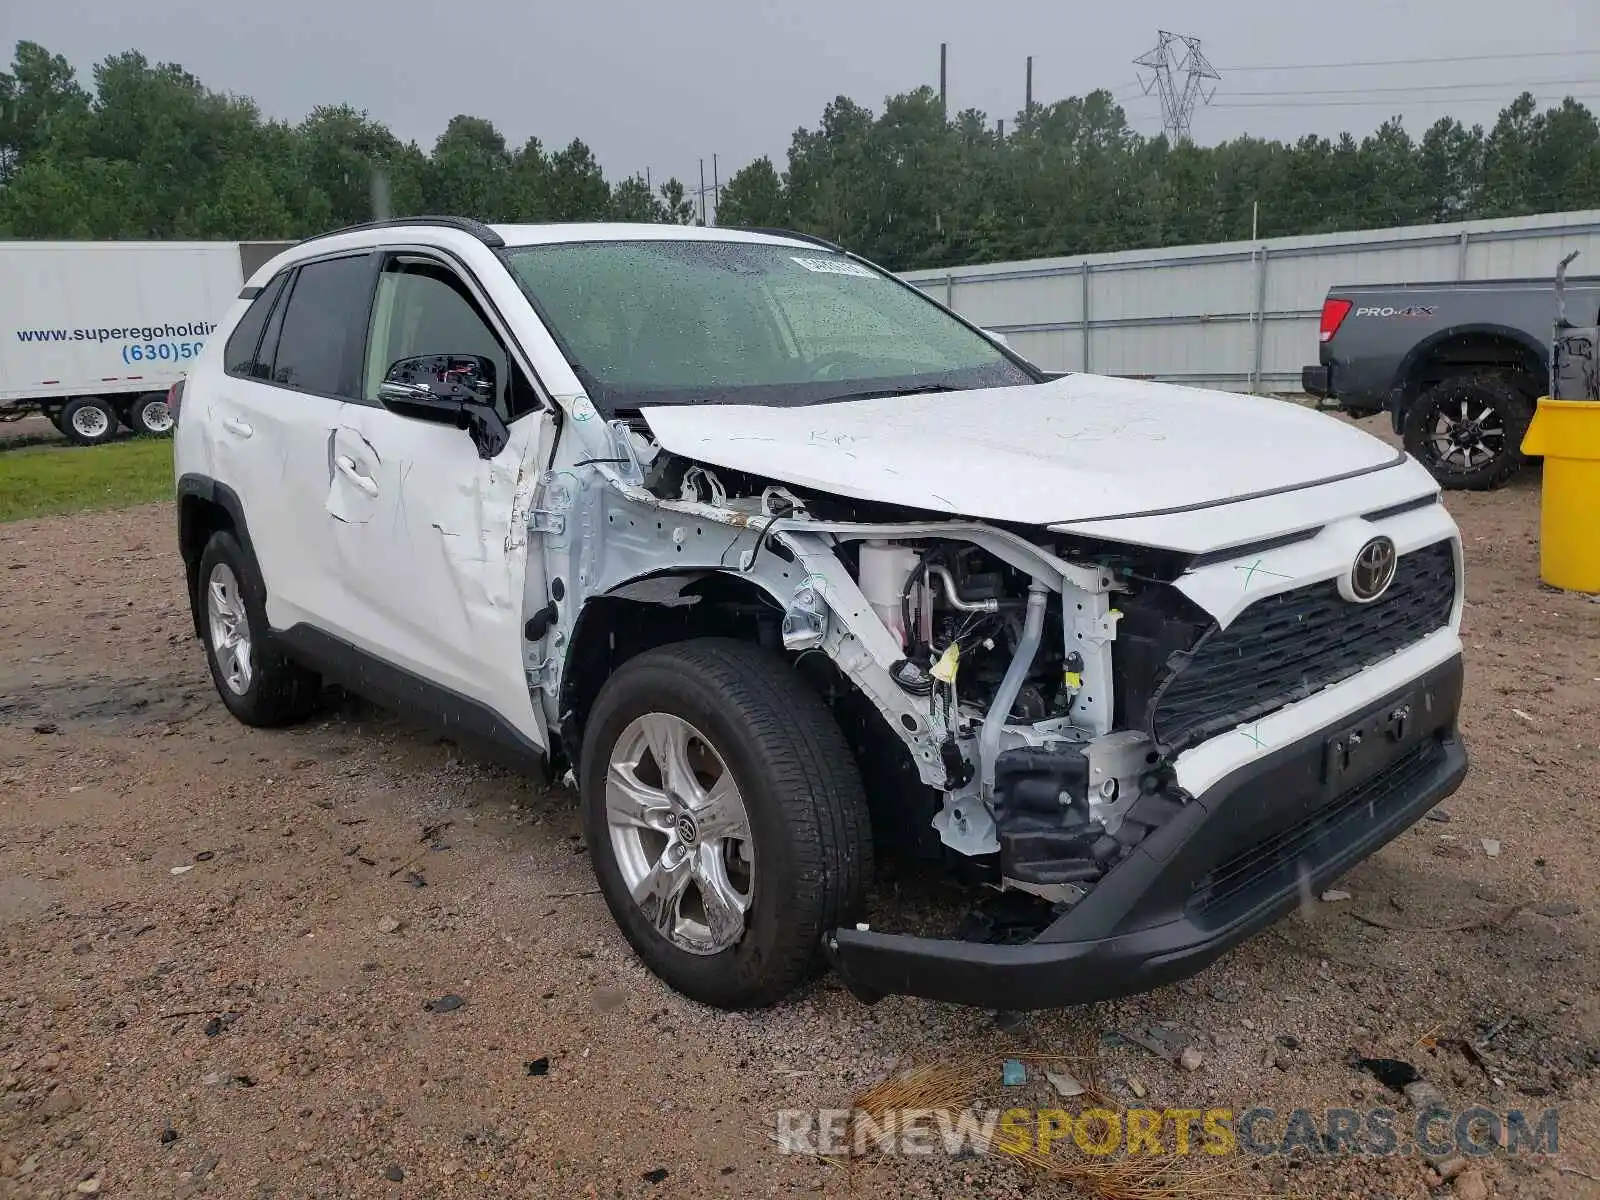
(884, 569)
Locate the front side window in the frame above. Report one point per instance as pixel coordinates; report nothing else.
(421, 308)
(695, 322)
(327, 306)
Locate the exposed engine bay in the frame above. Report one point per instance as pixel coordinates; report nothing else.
(987, 652)
(1031, 773)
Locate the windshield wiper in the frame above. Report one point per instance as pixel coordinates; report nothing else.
(875, 393)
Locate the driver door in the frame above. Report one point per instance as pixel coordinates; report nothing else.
(429, 536)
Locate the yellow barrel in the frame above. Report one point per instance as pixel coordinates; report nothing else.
(1567, 434)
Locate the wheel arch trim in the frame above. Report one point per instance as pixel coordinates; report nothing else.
(1422, 352)
(197, 489)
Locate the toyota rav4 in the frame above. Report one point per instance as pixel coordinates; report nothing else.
(789, 565)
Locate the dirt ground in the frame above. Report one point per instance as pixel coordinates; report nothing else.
(218, 944)
(28, 430)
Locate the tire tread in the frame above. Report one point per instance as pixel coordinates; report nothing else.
(1518, 411)
(283, 692)
(806, 763)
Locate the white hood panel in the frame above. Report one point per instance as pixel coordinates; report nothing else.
(1081, 448)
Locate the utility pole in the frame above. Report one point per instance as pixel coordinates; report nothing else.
(1177, 55)
(944, 79)
(702, 191)
(1000, 128)
(1027, 102)
(716, 190)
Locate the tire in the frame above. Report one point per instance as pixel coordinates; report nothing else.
(148, 416)
(1468, 431)
(740, 711)
(88, 421)
(259, 685)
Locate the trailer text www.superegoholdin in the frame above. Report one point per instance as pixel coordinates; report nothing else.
(140, 343)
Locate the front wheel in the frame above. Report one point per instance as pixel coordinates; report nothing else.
(1468, 431)
(725, 818)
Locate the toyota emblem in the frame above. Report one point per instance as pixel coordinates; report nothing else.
(1373, 570)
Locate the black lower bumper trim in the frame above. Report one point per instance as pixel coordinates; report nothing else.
(1268, 831)
(1314, 381)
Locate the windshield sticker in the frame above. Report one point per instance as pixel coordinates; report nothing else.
(832, 266)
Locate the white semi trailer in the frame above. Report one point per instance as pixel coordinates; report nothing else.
(93, 334)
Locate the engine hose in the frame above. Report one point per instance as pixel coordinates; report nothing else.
(1011, 685)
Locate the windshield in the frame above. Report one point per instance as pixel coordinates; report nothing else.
(717, 322)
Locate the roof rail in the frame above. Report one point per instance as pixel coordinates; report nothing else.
(465, 224)
(790, 233)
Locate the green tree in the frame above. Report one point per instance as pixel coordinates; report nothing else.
(150, 151)
(578, 190)
(674, 207)
(40, 99)
(631, 200)
(755, 196)
(469, 172)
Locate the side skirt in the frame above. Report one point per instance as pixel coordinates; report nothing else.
(426, 702)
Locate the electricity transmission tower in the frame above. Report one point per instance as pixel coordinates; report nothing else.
(1180, 71)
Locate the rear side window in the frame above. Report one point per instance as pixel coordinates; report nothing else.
(241, 355)
(325, 316)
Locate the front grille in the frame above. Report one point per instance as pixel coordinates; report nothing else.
(1272, 865)
(1286, 647)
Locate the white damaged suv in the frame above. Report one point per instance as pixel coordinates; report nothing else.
(792, 566)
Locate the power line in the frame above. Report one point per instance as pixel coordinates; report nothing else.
(1425, 87)
(1408, 62)
(1441, 101)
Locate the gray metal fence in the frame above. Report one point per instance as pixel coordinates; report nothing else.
(1239, 315)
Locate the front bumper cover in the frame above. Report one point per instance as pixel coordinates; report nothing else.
(1235, 860)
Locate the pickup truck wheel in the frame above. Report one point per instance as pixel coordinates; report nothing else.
(1468, 431)
(725, 818)
(258, 683)
(88, 421)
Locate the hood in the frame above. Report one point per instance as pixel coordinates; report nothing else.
(1079, 448)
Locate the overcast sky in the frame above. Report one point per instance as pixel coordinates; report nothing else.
(658, 84)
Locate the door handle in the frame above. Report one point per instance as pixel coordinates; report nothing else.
(347, 468)
(237, 427)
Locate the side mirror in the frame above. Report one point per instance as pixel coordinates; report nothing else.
(453, 389)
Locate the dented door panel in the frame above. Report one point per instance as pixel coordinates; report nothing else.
(353, 493)
(431, 554)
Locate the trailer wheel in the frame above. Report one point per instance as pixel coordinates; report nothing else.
(150, 417)
(88, 421)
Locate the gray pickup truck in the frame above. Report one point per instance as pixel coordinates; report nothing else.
(1457, 366)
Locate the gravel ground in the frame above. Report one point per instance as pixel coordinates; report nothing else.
(218, 944)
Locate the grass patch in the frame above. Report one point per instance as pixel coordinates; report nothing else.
(40, 481)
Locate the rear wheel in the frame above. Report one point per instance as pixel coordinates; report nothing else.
(149, 415)
(725, 819)
(259, 684)
(1468, 431)
(88, 421)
